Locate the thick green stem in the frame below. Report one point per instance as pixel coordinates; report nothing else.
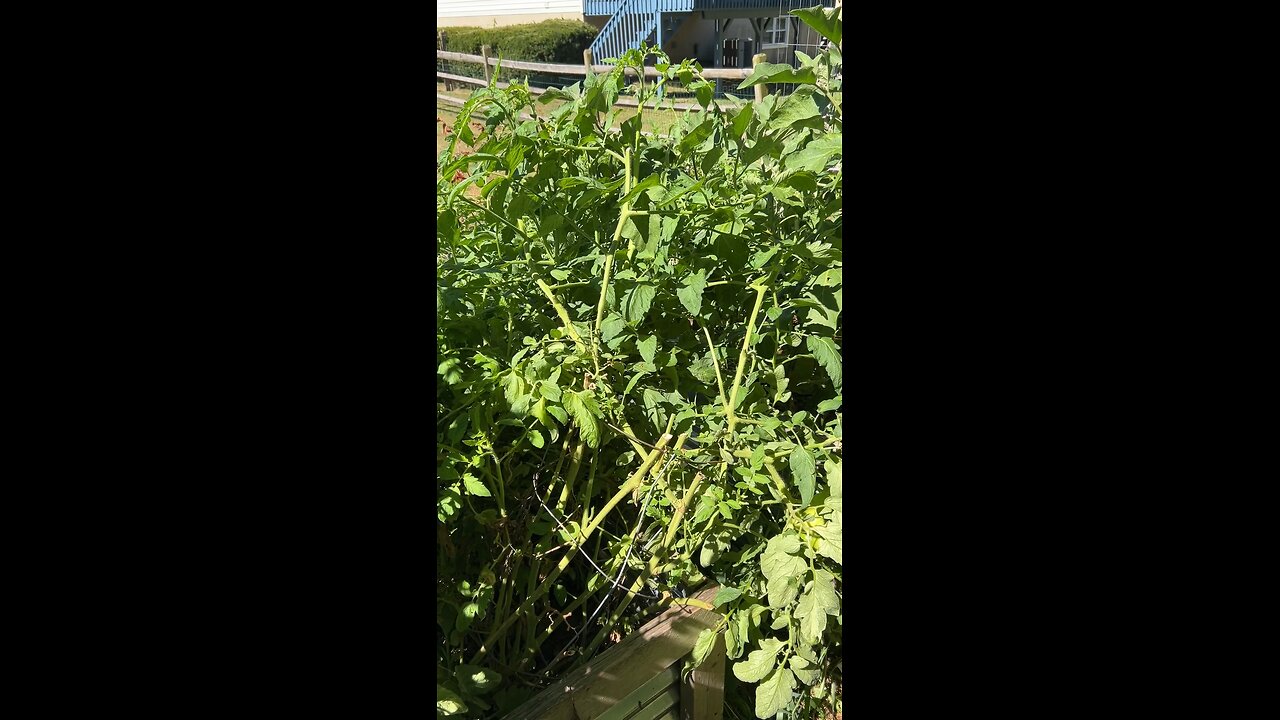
(634, 481)
(711, 346)
(564, 314)
(591, 482)
(574, 465)
(742, 357)
(659, 556)
(502, 488)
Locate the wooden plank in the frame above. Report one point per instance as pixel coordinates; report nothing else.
(702, 694)
(460, 78)
(595, 687)
(663, 106)
(643, 695)
(668, 700)
(569, 69)
(458, 57)
(441, 97)
(478, 81)
(726, 73)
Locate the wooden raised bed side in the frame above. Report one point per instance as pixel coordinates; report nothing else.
(639, 678)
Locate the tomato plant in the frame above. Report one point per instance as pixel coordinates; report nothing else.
(640, 381)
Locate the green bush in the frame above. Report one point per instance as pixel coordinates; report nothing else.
(555, 41)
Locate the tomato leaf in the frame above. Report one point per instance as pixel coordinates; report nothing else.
(802, 468)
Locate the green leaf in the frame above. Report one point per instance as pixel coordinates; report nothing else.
(583, 418)
(778, 73)
(558, 413)
(802, 467)
(832, 535)
(474, 486)
(637, 302)
(549, 390)
(824, 351)
(742, 120)
(448, 703)
(612, 325)
(784, 591)
(759, 662)
(817, 155)
(726, 595)
(826, 21)
(640, 187)
(536, 438)
(830, 404)
(819, 601)
(476, 680)
(774, 695)
(704, 370)
(804, 670)
(781, 568)
(702, 648)
(697, 136)
(704, 91)
(834, 471)
(799, 106)
(732, 645)
(648, 347)
(634, 379)
(691, 293)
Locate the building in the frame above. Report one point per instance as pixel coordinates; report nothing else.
(487, 13)
(718, 33)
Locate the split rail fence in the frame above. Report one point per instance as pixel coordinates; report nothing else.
(588, 66)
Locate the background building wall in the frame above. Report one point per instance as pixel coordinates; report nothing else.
(488, 13)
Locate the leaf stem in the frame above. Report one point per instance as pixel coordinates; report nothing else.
(636, 478)
(564, 314)
(724, 399)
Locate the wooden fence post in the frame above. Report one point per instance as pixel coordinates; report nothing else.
(761, 88)
(702, 693)
(484, 53)
(444, 45)
(588, 60)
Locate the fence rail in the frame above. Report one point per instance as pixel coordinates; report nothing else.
(573, 70)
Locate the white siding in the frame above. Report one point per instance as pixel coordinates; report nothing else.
(476, 8)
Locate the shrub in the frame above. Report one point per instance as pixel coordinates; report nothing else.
(640, 384)
(558, 41)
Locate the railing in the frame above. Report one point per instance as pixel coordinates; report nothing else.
(611, 7)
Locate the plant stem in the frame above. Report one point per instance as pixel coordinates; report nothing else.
(574, 465)
(742, 356)
(564, 314)
(724, 399)
(634, 481)
(655, 563)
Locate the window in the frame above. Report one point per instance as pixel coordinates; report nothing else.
(777, 32)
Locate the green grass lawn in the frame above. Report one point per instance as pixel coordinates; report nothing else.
(656, 120)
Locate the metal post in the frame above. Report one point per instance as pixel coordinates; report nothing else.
(717, 58)
(761, 89)
(484, 52)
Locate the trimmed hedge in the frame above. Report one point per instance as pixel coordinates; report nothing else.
(554, 41)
